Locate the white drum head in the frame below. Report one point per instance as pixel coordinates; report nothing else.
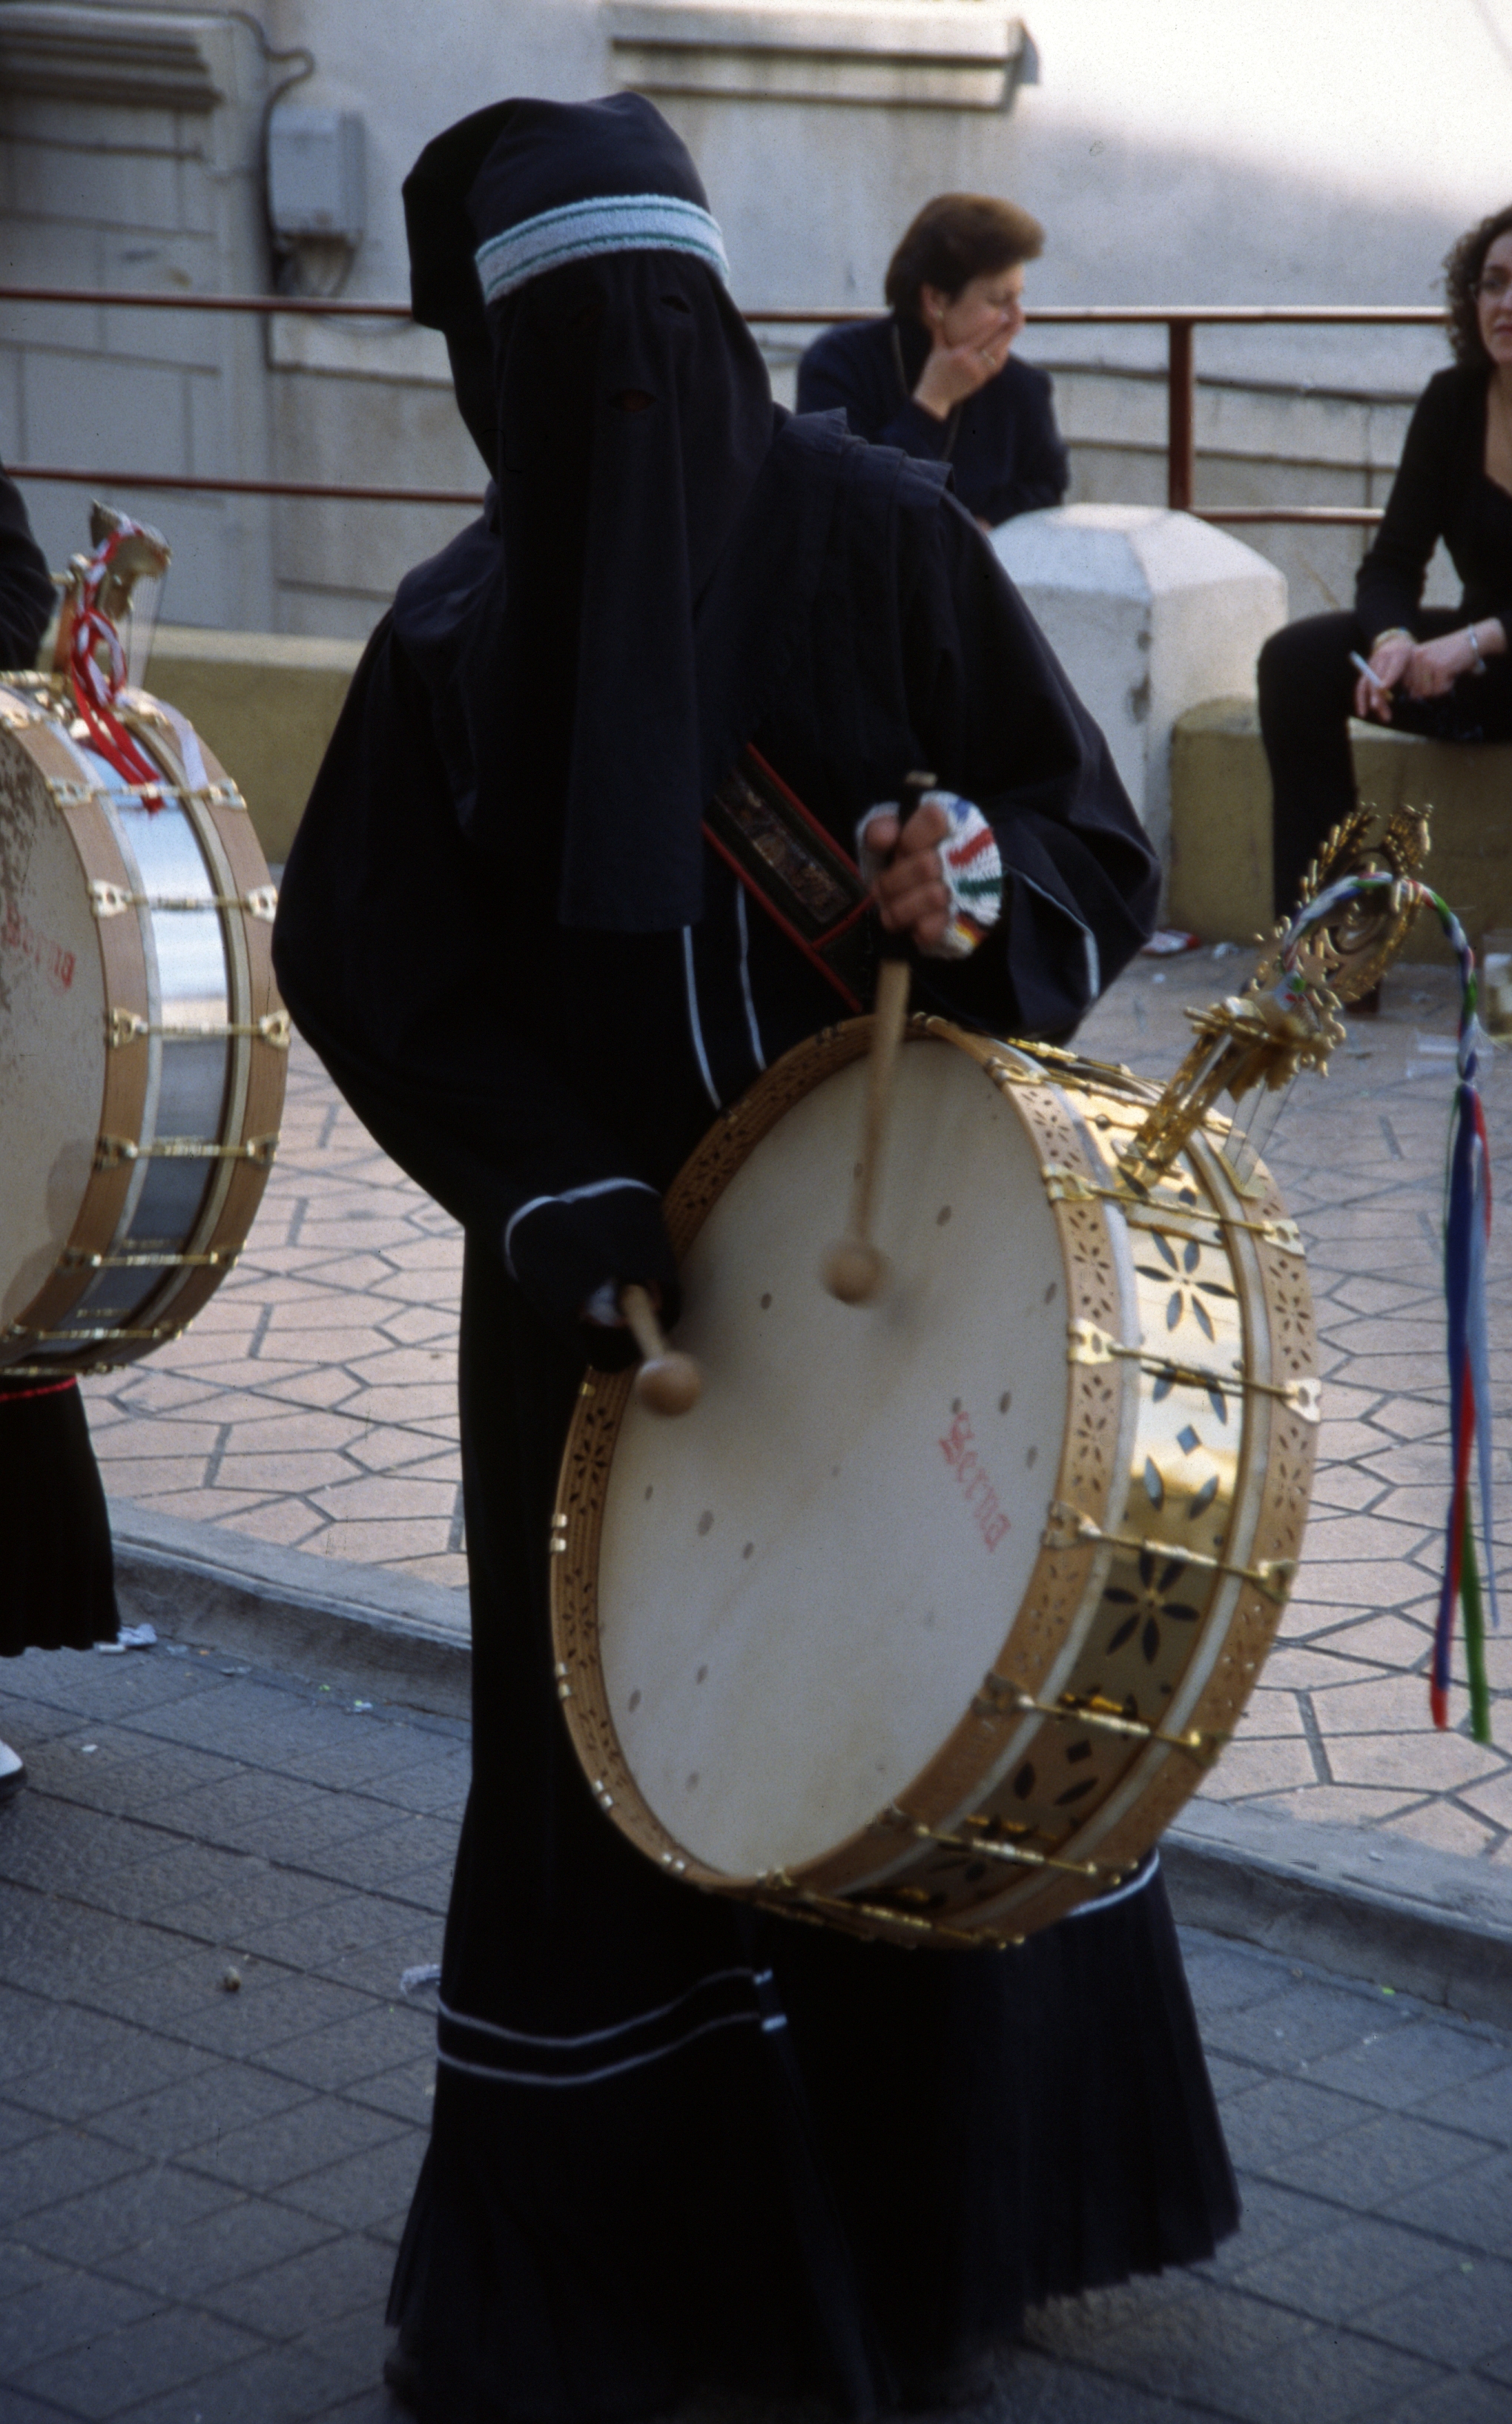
(803, 1582)
(52, 1033)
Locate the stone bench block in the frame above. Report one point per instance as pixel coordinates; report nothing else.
(265, 704)
(1150, 613)
(1220, 821)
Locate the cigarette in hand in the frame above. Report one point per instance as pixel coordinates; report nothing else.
(1374, 678)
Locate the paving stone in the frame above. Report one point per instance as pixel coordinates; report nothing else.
(129, 2213)
(366, 2190)
(286, 2147)
(409, 2093)
(242, 2237)
(120, 2369)
(1472, 2207)
(1306, 2023)
(1266, 2121)
(1390, 2065)
(112, 2066)
(1483, 2105)
(1460, 2316)
(1371, 2166)
(1343, 2273)
(61, 2314)
(293, 2299)
(219, 2097)
(1273, 2217)
(1252, 2362)
(277, 2386)
(57, 2164)
(354, 2050)
(1464, 2399)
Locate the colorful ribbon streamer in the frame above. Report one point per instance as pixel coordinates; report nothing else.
(97, 685)
(1467, 1233)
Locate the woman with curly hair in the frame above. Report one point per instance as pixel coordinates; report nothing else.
(1446, 674)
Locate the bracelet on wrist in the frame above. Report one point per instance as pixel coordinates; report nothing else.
(1397, 631)
(1477, 660)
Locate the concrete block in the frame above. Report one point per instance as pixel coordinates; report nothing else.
(266, 706)
(1150, 613)
(1220, 822)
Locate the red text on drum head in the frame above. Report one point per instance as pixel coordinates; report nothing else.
(976, 1488)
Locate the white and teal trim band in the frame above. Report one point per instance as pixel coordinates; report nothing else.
(581, 231)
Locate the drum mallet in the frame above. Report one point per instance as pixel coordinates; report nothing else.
(667, 1382)
(854, 1269)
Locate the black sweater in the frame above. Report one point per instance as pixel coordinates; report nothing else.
(1002, 443)
(1441, 492)
(26, 593)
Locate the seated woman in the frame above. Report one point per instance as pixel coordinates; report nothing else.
(937, 377)
(1444, 674)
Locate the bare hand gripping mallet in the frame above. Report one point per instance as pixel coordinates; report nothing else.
(856, 1269)
(667, 1382)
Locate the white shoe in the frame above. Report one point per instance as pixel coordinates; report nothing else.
(13, 1773)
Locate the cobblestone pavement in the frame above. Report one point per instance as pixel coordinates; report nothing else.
(313, 1403)
(202, 2190)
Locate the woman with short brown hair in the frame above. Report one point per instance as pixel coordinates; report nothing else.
(937, 377)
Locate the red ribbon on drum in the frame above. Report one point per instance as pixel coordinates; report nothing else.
(97, 672)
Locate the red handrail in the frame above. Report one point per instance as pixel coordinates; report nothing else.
(1180, 322)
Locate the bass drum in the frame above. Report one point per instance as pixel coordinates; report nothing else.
(929, 1616)
(142, 1045)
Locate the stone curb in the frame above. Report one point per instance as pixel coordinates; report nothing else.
(205, 1584)
(1370, 1905)
(1367, 1906)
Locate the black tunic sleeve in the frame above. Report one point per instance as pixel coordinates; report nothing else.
(27, 592)
(1037, 469)
(390, 952)
(1389, 586)
(1003, 727)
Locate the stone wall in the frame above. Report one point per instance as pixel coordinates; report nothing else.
(1176, 151)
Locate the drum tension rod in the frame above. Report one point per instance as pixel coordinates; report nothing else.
(1017, 1855)
(998, 1698)
(77, 795)
(126, 1026)
(110, 901)
(1069, 1528)
(1065, 1185)
(218, 1260)
(111, 1152)
(1087, 1344)
(798, 1901)
(159, 1333)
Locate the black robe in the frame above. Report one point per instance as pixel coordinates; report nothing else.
(58, 1584)
(675, 2140)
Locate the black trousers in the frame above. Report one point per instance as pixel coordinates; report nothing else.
(1306, 698)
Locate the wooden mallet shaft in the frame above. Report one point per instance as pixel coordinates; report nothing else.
(856, 1269)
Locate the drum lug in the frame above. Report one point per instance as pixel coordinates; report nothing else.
(1087, 1344)
(1064, 1186)
(108, 899)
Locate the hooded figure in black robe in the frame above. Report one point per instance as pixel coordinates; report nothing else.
(57, 1580)
(677, 2141)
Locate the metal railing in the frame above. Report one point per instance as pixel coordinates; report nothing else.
(1181, 323)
